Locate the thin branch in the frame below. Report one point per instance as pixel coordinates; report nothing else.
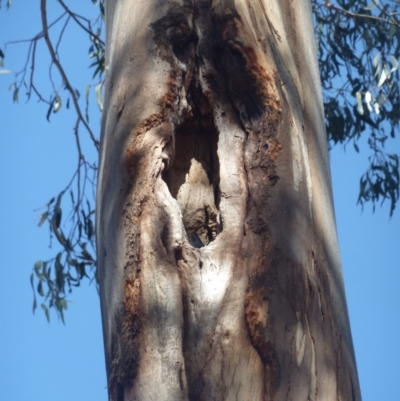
(62, 72)
(32, 71)
(38, 36)
(41, 99)
(62, 34)
(356, 15)
(74, 17)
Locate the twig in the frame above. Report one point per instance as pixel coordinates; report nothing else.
(62, 72)
(74, 17)
(330, 6)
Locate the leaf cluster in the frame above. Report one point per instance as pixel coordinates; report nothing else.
(53, 279)
(358, 49)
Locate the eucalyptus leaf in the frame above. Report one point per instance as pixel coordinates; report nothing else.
(395, 64)
(46, 311)
(360, 107)
(373, 5)
(383, 77)
(368, 98)
(376, 60)
(34, 305)
(99, 96)
(40, 288)
(56, 218)
(15, 95)
(87, 90)
(57, 104)
(43, 218)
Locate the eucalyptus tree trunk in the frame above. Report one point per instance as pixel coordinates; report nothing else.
(219, 267)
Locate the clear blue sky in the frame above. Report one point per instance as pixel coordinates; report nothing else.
(43, 362)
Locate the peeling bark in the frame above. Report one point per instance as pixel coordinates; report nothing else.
(219, 267)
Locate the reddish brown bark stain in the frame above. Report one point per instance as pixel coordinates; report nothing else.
(274, 149)
(168, 100)
(256, 312)
(137, 136)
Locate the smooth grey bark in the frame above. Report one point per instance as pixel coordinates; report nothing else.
(220, 276)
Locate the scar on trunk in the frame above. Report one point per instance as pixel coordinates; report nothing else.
(202, 46)
(193, 175)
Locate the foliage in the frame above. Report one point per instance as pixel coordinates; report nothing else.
(56, 277)
(52, 280)
(358, 48)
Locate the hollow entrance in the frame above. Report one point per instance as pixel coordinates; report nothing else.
(193, 176)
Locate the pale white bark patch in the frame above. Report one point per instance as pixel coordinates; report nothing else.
(301, 163)
(300, 340)
(215, 277)
(313, 373)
